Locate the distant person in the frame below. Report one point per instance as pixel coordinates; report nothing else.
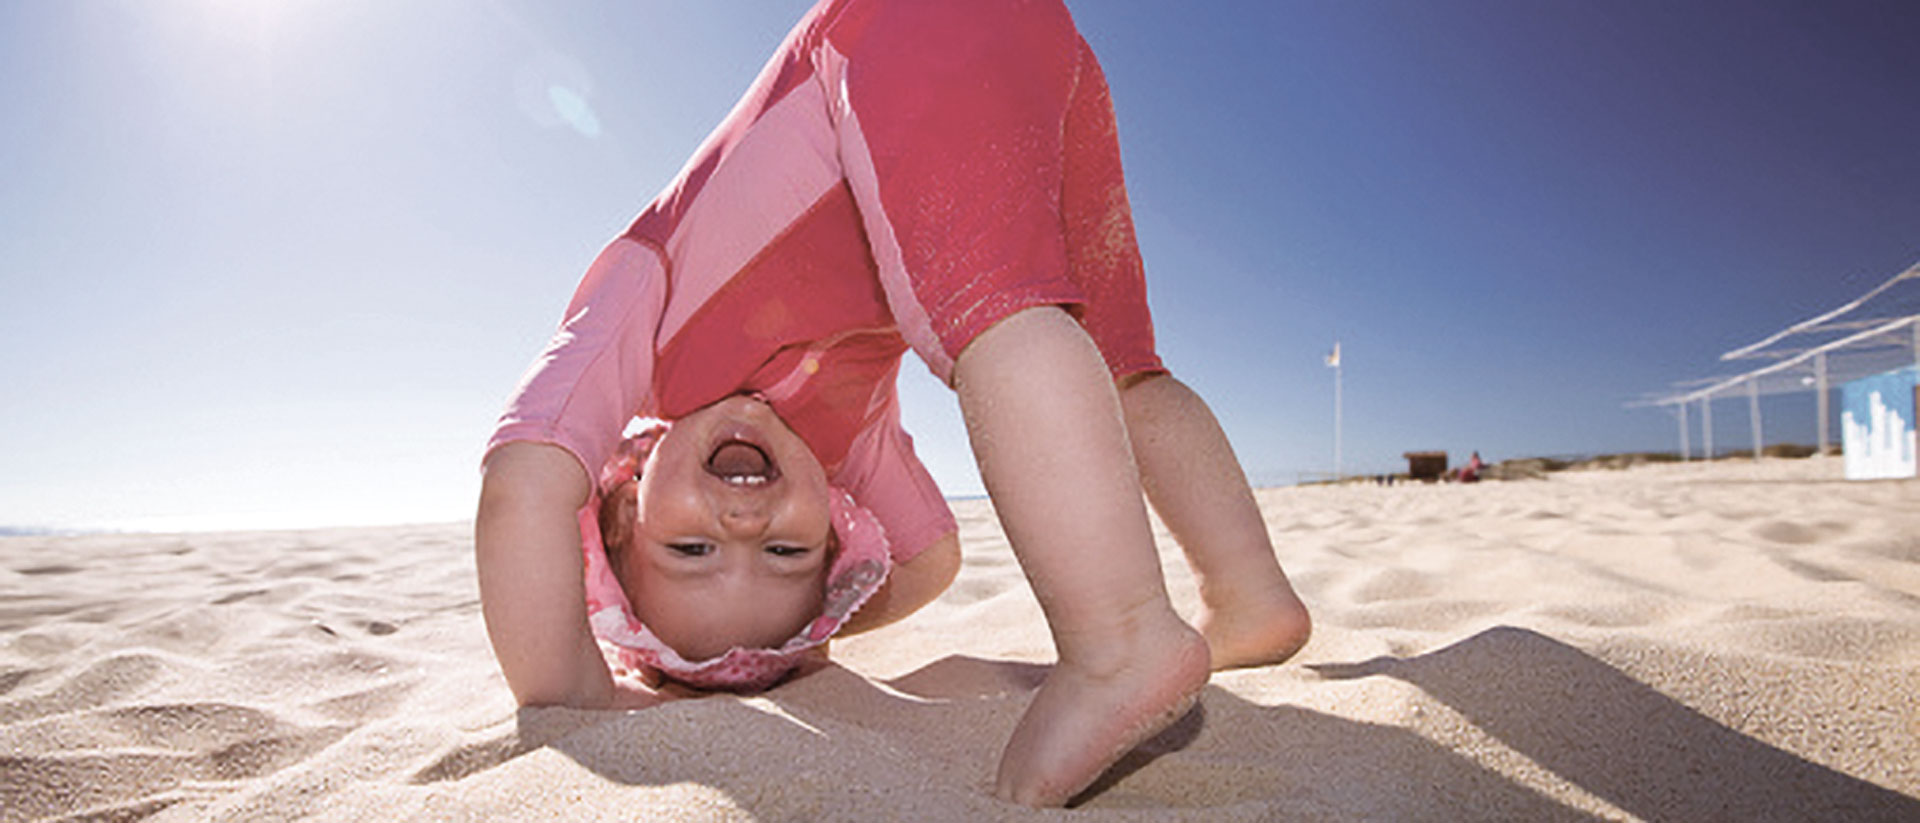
(1470, 473)
(904, 173)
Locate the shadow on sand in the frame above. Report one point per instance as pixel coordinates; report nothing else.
(1622, 740)
(940, 729)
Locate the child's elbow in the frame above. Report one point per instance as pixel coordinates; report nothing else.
(531, 474)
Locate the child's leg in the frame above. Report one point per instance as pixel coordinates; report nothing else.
(1249, 613)
(1048, 433)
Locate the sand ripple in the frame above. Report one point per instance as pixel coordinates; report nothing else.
(1725, 642)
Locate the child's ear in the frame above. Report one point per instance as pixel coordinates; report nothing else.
(618, 518)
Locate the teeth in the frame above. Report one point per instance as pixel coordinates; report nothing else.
(745, 480)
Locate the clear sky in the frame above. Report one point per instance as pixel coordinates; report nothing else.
(279, 263)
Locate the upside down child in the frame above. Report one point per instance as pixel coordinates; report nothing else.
(904, 174)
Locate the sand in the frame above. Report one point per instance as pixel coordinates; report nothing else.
(1734, 641)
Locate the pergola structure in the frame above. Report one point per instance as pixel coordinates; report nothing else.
(1877, 332)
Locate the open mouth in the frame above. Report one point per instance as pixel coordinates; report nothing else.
(740, 463)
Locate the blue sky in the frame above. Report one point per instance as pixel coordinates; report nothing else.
(279, 263)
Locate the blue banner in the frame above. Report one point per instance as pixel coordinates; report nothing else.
(1876, 425)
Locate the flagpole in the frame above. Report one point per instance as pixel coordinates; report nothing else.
(1334, 361)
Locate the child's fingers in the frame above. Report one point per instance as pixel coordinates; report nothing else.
(813, 660)
(630, 697)
(649, 676)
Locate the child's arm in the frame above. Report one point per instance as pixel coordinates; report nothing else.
(910, 586)
(527, 549)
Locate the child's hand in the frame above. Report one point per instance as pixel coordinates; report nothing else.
(813, 660)
(643, 687)
(629, 696)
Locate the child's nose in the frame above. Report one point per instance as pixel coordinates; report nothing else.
(745, 516)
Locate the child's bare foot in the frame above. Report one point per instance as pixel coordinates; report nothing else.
(1082, 719)
(1255, 631)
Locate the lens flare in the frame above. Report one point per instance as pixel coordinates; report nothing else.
(554, 90)
(574, 110)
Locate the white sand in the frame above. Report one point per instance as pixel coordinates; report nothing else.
(1730, 642)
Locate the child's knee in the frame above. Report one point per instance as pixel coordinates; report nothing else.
(1033, 333)
(1147, 397)
(1128, 382)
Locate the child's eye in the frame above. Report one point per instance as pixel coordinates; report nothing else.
(691, 549)
(788, 551)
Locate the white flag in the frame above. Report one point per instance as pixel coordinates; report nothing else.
(1333, 360)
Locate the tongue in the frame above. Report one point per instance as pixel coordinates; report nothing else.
(738, 460)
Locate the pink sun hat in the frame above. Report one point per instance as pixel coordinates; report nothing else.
(858, 571)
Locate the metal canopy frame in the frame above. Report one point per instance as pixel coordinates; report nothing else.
(1874, 345)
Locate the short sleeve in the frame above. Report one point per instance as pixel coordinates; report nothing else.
(595, 374)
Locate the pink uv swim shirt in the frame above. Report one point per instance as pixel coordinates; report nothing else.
(903, 173)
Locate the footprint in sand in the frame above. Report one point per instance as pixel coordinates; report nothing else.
(1781, 531)
(1789, 532)
(380, 628)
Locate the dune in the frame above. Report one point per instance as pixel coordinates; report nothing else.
(1726, 641)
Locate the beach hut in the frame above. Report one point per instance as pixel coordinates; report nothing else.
(1428, 466)
(1876, 424)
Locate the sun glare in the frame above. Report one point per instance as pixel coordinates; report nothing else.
(260, 24)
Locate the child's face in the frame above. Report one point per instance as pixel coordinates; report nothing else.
(732, 540)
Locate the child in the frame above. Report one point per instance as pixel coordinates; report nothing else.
(904, 173)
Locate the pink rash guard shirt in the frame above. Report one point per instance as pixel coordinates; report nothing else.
(903, 173)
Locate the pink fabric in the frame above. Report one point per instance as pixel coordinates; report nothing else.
(591, 380)
(859, 569)
(986, 164)
(903, 171)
